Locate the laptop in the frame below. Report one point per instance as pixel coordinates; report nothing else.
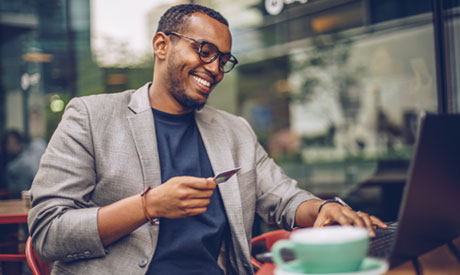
(429, 215)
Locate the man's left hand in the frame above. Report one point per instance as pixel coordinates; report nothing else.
(335, 213)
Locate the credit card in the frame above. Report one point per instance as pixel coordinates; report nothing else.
(225, 175)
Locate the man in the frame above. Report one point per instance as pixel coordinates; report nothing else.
(112, 169)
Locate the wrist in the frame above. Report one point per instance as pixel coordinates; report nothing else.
(332, 200)
(306, 213)
(150, 218)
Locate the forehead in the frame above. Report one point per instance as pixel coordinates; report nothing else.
(203, 27)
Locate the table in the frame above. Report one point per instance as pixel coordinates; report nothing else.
(12, 213)
(438, 261)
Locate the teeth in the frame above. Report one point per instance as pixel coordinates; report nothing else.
(202, 81)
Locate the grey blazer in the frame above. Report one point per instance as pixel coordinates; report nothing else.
(105, 149)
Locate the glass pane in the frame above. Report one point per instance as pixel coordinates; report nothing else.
(46, 59)
(334, 90)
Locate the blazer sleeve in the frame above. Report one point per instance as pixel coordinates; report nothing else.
(63, 220)
(278, 195)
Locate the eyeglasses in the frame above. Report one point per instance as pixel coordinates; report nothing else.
(209, 52)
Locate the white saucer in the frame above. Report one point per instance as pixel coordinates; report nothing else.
(370, 266)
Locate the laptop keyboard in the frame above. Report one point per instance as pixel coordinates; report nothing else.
(382, 244)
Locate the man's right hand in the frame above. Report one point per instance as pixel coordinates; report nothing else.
(177, 198)
(180, 197)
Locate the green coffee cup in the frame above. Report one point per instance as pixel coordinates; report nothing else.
(331, 249)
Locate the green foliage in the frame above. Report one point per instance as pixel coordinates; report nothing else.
(330, 54)
(52, 119)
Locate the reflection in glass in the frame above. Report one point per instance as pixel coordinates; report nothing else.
(334, 92)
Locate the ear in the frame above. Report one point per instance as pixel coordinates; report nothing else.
(161, 45)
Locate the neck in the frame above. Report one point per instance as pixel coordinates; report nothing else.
(162, 100)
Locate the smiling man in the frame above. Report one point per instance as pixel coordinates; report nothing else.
(126, 184)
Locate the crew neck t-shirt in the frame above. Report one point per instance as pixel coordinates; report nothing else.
(188, 245)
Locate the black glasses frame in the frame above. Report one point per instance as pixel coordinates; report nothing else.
(232, 59)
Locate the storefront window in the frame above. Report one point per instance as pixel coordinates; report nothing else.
(335, 90)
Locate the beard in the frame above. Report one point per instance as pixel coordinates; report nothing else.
(178, 91)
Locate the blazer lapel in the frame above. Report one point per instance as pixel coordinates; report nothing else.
(143, 130)
(220, 156)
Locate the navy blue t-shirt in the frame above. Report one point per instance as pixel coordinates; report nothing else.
(188, 245)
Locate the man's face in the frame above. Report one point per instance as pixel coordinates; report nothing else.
(191, 81)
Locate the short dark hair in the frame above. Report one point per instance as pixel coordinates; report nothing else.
(175, 18)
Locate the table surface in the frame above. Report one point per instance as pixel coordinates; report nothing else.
(13, 211)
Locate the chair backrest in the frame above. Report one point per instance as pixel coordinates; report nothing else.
(38, 266)
(264, 242)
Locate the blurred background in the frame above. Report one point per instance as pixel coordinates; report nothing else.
(333, 88)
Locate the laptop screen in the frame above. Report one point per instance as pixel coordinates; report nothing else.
(430, 210)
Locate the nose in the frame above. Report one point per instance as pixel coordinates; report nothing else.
(213, 67)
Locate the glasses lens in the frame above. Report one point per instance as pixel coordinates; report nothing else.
(227, 63)
(208, 52)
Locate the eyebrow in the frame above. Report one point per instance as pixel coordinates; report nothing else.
(196, 40)
(204, 40)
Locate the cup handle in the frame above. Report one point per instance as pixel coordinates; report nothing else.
(278, 259)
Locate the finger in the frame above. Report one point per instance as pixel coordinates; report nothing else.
(368, 222)
(355, 218)
(328, 222)
(211, 179)
(376, 221)
(192, 193)
(190, 205)
(198, 203)
(211, 182)
(323, 223)
(341, 219)
(320, 221)
(198, 183)
(196, 211)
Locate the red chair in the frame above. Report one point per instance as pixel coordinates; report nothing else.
(264, 243)
(11, 263)
(38, 266)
